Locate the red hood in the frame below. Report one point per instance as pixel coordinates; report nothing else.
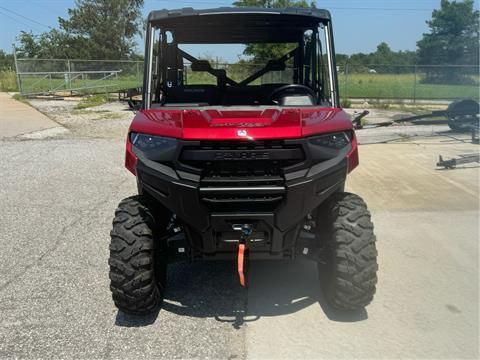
(227, 124)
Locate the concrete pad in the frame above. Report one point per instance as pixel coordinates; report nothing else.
(427, 302)
(404, 176)
(17, 118)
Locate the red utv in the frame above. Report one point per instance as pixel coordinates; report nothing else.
(241, 162)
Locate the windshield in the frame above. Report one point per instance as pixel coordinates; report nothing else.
(238, 67)
(257, 72)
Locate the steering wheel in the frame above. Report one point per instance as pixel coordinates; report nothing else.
(291, 89)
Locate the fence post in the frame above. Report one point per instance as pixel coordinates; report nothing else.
(67, 78)
(415, 83)
(19, 82)
(346, 80)
(138, 74)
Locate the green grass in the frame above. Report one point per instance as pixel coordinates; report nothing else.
(345, 103)
(239, 73)
(91, 101)
(400, 86)
(8, 81)
(369, 86)
(375, 86)
(110, 116)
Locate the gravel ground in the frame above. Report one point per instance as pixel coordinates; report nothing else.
(109, 121)
(58, 197)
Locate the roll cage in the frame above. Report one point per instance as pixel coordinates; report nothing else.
(165, 72)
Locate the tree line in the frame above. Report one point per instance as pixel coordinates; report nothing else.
(94, 30)
(383, 60)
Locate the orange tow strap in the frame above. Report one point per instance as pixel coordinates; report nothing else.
(240, 263)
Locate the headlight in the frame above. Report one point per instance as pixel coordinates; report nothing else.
(155, 148)
(148, 142)
(334, 141)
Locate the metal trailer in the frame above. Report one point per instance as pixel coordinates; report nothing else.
(460, 115)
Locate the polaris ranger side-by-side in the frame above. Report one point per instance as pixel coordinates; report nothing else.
(241, 162)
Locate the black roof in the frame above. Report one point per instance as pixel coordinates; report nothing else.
(238, 24)
(157, 15)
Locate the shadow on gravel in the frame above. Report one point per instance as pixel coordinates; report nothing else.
(211, 290)
(285, 287)
(206, 290)
(127, 320)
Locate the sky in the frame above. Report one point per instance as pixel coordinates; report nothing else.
(359, 25)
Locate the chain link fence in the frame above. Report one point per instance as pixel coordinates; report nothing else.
(64, 76)
(369, 82)
(408, 83)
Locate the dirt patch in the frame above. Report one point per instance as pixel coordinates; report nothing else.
(110, 120)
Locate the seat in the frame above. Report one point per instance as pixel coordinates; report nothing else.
(208, 94)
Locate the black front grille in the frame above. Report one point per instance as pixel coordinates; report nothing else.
(237, 174)
(254, 153)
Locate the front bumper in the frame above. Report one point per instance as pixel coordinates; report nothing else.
(277, 212)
